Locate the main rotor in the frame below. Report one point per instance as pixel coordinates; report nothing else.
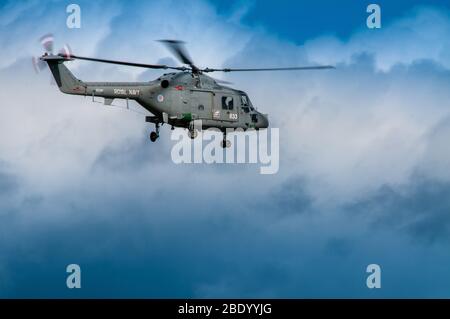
(177, 48)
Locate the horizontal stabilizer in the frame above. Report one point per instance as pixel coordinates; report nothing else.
(108, 101)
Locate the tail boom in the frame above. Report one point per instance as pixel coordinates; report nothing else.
(65, 80)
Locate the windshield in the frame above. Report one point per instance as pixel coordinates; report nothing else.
(244, 100)
(246, 104)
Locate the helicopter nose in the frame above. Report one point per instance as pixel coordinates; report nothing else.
(263, 121)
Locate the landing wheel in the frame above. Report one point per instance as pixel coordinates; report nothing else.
(225, 143)
(192, 134)
(153, 136)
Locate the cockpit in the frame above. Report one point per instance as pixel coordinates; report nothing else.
(246, 105)
(248, 108)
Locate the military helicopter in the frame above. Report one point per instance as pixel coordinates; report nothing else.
(182, 98)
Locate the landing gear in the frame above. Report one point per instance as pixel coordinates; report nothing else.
(192, 133)
(155, 134)
(225, 143)
(193, 129)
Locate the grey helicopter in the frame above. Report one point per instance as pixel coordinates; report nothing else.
(183, 98)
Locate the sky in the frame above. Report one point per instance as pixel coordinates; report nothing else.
(364, 161)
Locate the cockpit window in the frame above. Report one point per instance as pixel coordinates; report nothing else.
(244, 100)
(227, 103)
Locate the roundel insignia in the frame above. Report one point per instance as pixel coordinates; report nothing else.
(160, 98)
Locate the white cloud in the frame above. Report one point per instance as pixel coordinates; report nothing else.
(346, 130)
(421, 34)
(376, 119)
(365, 124)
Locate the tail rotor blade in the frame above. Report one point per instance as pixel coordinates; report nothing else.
(38, 65)
(65, 52)
(47, 42)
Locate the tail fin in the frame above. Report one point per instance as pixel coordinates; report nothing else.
(65, 80)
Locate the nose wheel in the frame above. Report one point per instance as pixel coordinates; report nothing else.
(192, 133)
(225, 144)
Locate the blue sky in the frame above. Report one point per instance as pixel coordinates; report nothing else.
(363, 156)
(307, 19)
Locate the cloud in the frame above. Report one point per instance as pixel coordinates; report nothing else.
(419, 208)
(25, 23)
(84, 185)
(418, 35)
(8, 182)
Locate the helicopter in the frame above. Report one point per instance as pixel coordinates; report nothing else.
(182, 98)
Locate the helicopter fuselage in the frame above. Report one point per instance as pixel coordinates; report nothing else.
(180, 98)
(177, 99)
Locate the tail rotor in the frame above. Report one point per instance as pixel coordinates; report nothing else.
(65, 52)
(38, 64)
(47, 42)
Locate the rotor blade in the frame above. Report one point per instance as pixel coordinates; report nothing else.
(47, 42)
(66, 51)
(38, 65)
(177, 48)
(220, 81)
(319, 67)
(141, 65)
